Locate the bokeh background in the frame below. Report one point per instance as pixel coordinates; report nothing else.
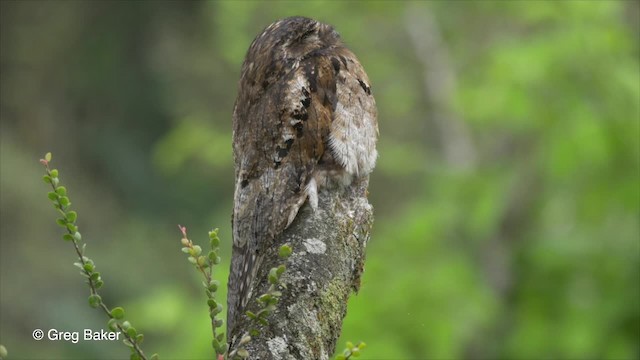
(506, 194)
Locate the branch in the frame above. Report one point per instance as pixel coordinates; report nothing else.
(440, 86)
(326, 265)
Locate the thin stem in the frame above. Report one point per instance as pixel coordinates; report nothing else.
(92, 284)
(208, 275)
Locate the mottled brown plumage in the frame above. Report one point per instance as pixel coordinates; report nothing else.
(304, 121)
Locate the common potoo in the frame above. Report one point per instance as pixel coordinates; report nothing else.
(304, 122)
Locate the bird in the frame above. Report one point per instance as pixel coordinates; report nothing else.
(304, 121)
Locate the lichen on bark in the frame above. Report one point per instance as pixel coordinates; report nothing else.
(325, 267)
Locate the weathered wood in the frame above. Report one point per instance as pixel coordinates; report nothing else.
(325, 267)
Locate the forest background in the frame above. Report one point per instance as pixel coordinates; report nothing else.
(506, 194)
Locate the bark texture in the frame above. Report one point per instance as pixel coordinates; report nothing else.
(324, 268)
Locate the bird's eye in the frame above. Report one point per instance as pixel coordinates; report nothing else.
(306, 35)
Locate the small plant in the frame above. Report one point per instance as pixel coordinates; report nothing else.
(205, 265)
(351, 350)
(267, 301)
(61, 202)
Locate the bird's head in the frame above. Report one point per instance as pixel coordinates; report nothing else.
(300, 36)
(284, 43)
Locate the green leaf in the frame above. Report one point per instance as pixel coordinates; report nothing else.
(55, 181)
(265, 298)
(72, 216)
(62, 222)
(212, 255)
(154, 357)
(67, 237)
(216, 310)
(134, 355)
(245, 339)
(64, 201)
(117, 313)
(95, 300)
(52, 196)
(202, 260)
(72, 228)
(95, 276)
(349, 345)
(132, 332)
(77, 236)
(285, 251)
(61, 190)
(192, 260)
(126, 325)
(197, 250)
(273, 276)
(47, 179)
(185, 250)
(243, 353)
(214, 239)
(212, 303)
(220, 337)
(88, 268)
(99, 284)
(213, 286)
(48, 156)
(251, 315)
(280, 270)
(214, 243)
(54, 173)
(113, 324)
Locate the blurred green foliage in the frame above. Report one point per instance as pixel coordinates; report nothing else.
(506, 195)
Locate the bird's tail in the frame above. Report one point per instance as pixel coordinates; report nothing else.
(244, 267)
